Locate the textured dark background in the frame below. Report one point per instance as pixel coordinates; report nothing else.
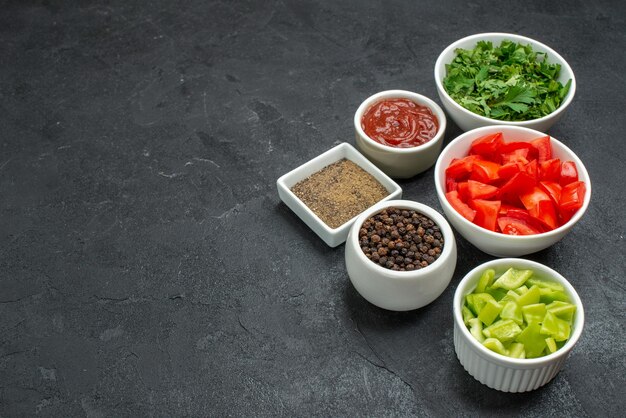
(147, 266)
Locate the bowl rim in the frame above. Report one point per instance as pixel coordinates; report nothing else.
(401, 94)
(475, 134)
(439, 64)
(422, 208)
(474, 274)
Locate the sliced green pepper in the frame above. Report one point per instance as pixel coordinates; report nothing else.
(534, 312)
(531, 296)
(521, 290)
(562, 310)
(516, 350)
(476, 301)
(547, 285)
(512, 279)
(498, 294)
(513, 311)
(555, 327)
(495, 345)
(476, 329)
(467, 314)
(504, 330)
(510, 296)
(534, 342)
(485, 280)
(489, 312)
(548, 296)
(551, 345)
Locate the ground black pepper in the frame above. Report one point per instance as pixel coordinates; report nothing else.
(339, 192)
(401, 239)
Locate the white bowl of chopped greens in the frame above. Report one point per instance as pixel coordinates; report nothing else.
(504, 79)
(515, 323)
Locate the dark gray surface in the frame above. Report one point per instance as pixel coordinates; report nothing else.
(147, 266)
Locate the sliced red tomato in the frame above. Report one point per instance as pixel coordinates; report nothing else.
(546, 213)
(523, 215)
(550, 170)
(487, 146)
(451, 184)
(531, 198)
(512, 189)
(513, 146)
(531, 170)
(513, 226)
(569, 174)
(484, 171)
(519, 155)
(463, 189)
(460, 168)
(566, 215)
(506, 171)
(553, 189)
(543, 147)
(478, 190)
(505, 207)
(486, 212)
(465, 211)
(572, 196)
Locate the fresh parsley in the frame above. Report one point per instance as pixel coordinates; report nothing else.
(509, 82)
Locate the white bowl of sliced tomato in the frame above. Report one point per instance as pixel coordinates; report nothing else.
(510, 190)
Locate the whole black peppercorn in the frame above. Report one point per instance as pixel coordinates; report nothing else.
(401, 239)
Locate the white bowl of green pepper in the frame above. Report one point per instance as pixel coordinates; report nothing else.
(504, 79)
(515, 323)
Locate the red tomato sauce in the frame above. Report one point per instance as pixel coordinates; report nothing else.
(399, 123)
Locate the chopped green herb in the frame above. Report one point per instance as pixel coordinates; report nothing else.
(510, 82)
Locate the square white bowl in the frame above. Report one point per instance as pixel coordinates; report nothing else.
(331, 236)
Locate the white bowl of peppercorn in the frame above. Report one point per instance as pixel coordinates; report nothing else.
(400, 131)
(400, 255)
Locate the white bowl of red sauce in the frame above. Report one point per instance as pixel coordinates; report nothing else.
(400, 131)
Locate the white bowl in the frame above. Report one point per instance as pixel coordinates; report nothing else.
(501, 372)
(400, 162)
(466, 119)
(495, 243)
(400, 290)
(331, 236)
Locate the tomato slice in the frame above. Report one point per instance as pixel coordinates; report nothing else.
(553, 189)
(519, 155)
(531, 198)
(478, 190)
(546, 213)
(550, 170)
(531, 170)
(460, 168)
(512, 189)
(484, 171)
(465, 211)
(523, 215)
(451, 184)
(463, 189)
(513, 146)
(569, 174)
(486, 212)
(572, 196)
(543, 147)
(505, 207)
(487, 146)
(512, 226)
(506, 171)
